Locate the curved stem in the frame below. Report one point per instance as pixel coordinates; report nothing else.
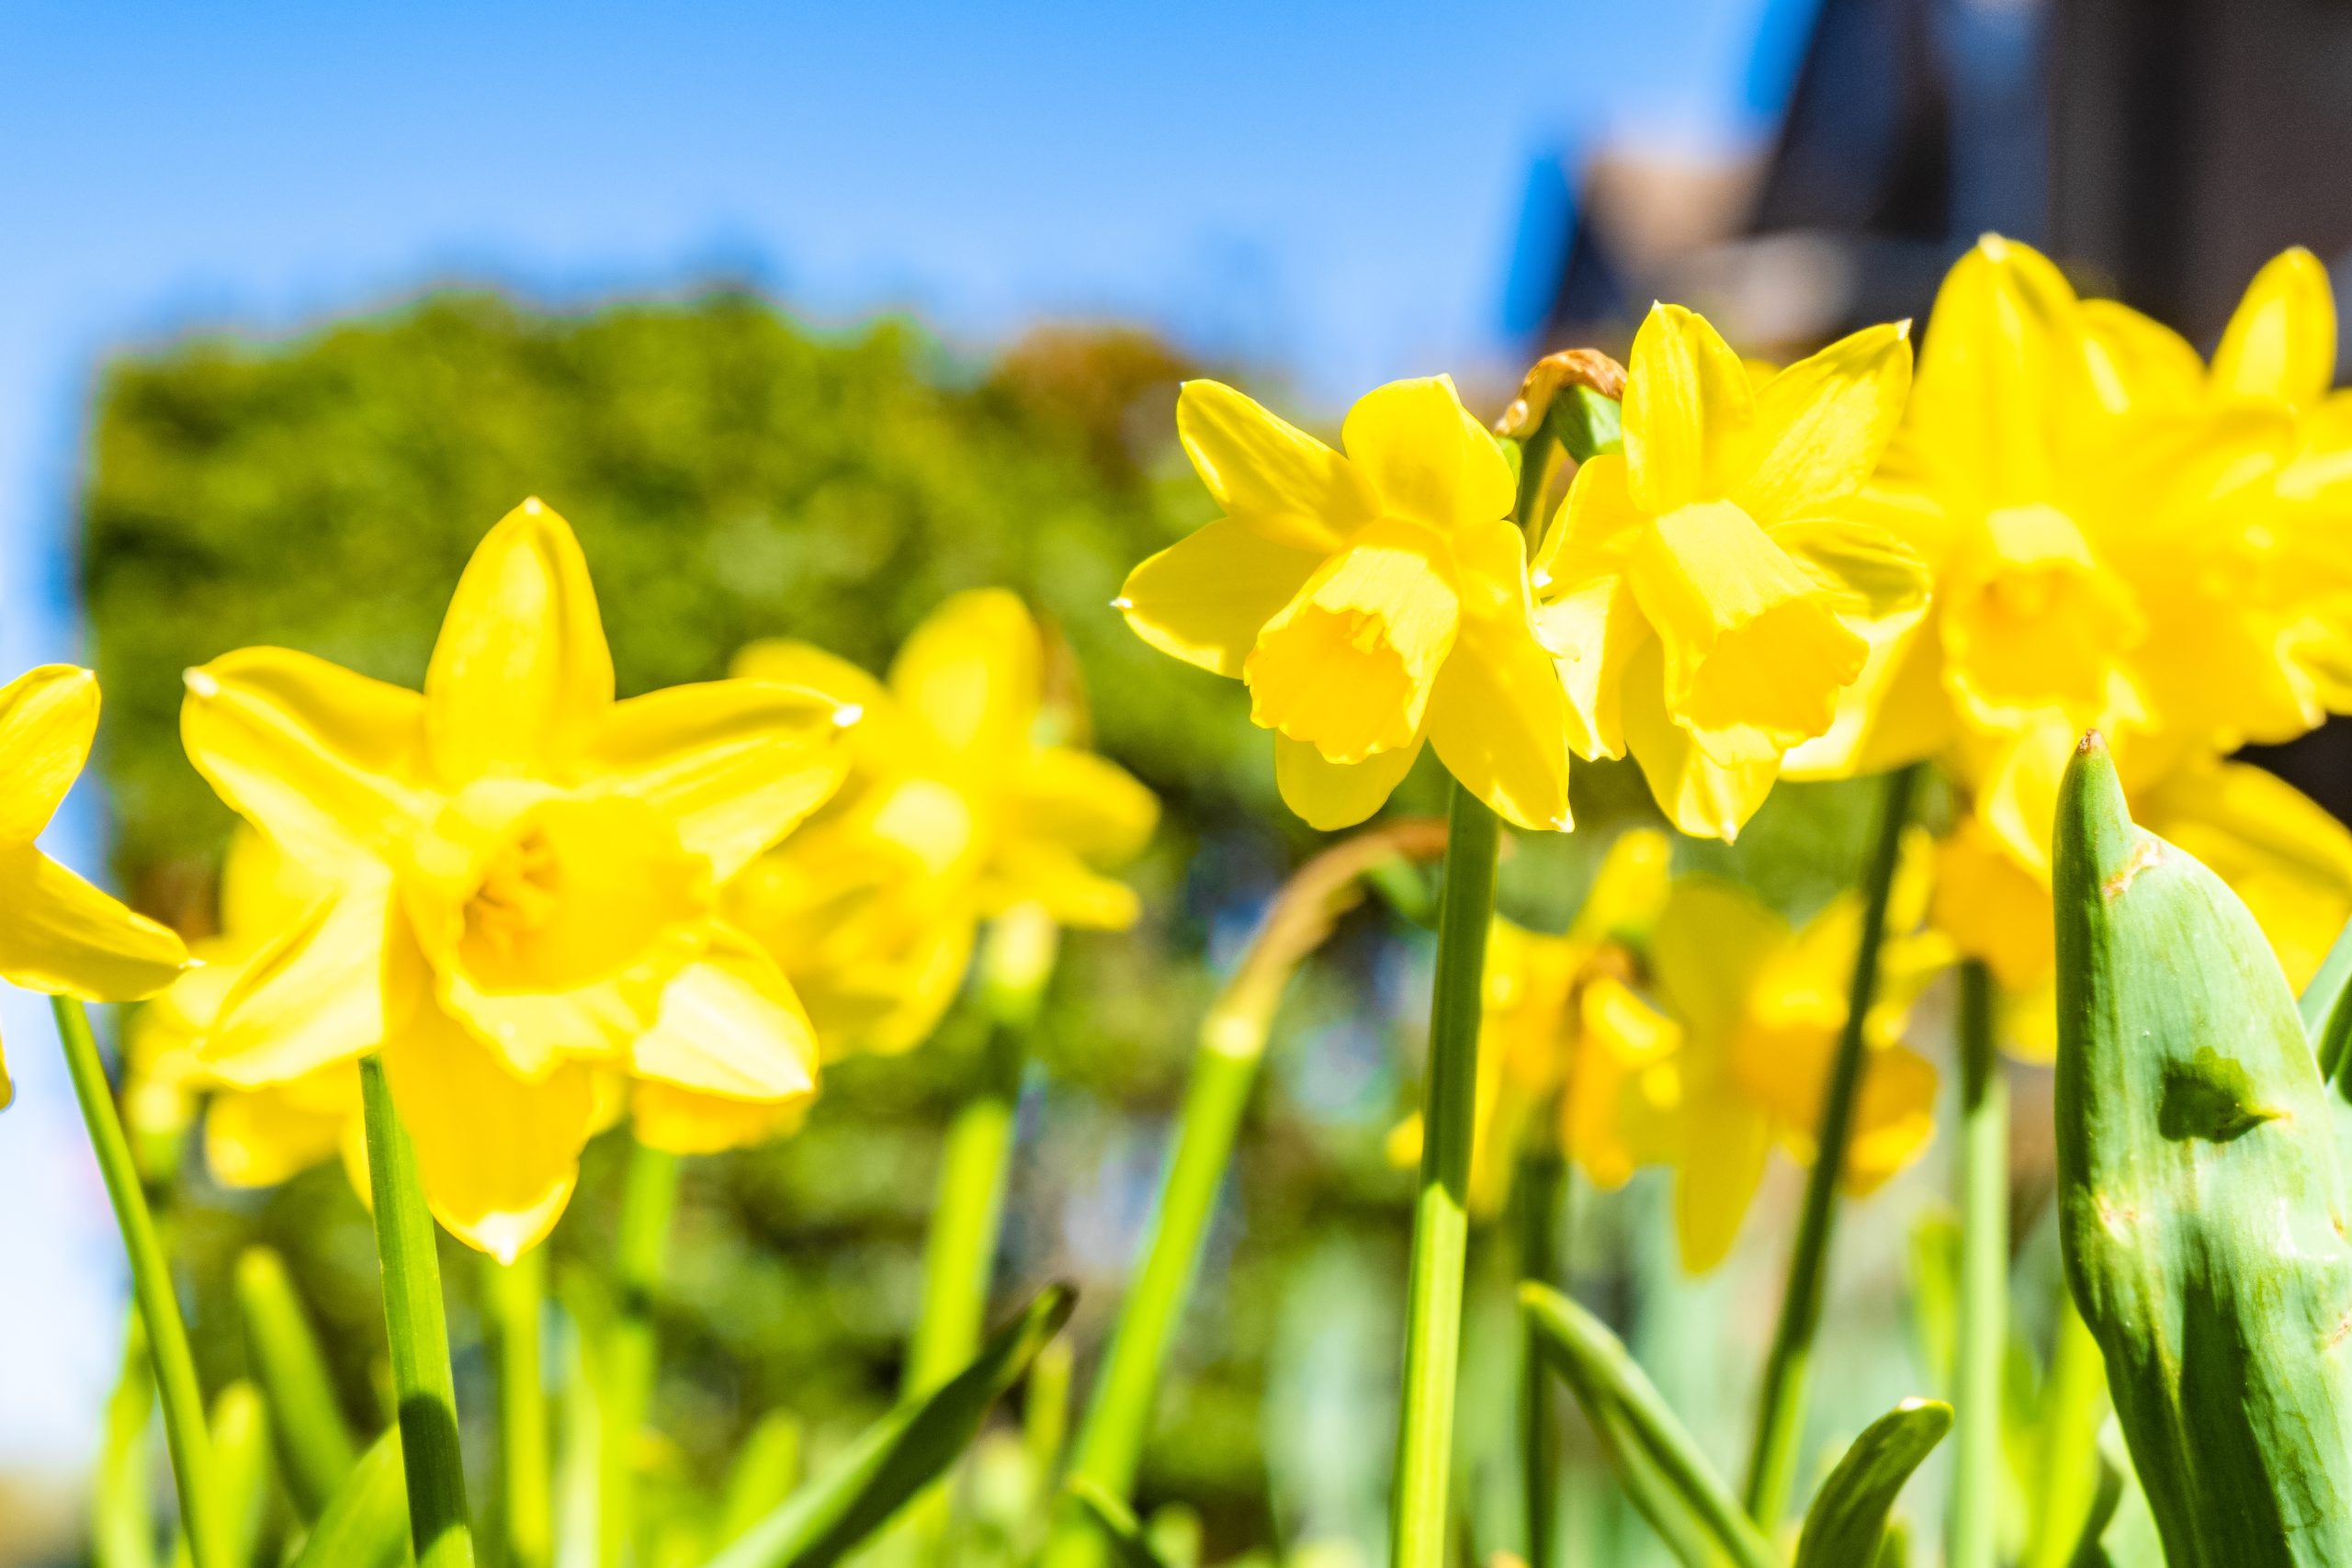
(419, 1333)
(185, 1427)
(1984, 1275)
(1440, 1212)
(1771, 1466)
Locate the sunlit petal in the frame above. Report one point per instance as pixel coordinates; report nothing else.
(1206, 598)
(47, 717)
(61, 935)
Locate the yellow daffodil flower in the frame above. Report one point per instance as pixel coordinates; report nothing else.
(1371, 601)
(960, 806)
(1560, 1031)
(59, 934)
(524, 880)
(252, 1137)
(1755, 1007)
(1704, 592)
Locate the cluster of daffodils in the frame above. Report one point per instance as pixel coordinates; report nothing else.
(2066, 521)
(546, 910)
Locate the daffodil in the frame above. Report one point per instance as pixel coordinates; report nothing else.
(252, 1137)
(1561, 1031)
(1706, 592)
(522, 880)
(1374, 601)
(2121, 537)
(59, 934)
(962, 804)
(1755, 1008)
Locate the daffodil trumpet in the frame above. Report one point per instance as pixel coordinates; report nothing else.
(1232, 1045)
(1772, 1456)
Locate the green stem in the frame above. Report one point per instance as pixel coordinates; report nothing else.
(1441, 1213)
(967, 1218)
(649, 1199)
(1118, 1414)
(1984, 1275)
(1771, 1468)
(151, 1286)
(513, 1303)
(1542, 1186)
(426, 1399)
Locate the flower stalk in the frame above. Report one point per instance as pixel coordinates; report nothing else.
(1441, 1210)
(1542, 1187)
(1984, 1275)
(649, 1200)
(426, 1395)
(1788, 1368)
(513, 1303)
(185, 1430)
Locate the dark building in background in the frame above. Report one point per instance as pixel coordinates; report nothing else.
(2159, 150)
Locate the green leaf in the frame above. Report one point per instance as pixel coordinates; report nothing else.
(241, 1466)
(122, 1531)
(2326, 1005)
(2199, 1192)
(364, 1523)
(1663, 1472)
(315, 1451)
(1118, 1524)
(899, 1454)
(1586, 424)
(766, 1469)
(1846, 1523)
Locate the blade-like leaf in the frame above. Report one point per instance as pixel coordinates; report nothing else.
(1847, 1522)
(899, 1454)
(364, 1523)
(1118, 1524)
(314, 1448)
(1664, 1473)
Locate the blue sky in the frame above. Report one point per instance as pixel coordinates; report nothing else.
(1327, 189)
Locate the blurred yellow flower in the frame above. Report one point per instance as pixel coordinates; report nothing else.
(252, 1137)
(1755, 1007)
(1371, 601)
(59, 934)
(523, 876)
(1703, 591)
(959, 807)
(1560, 1031)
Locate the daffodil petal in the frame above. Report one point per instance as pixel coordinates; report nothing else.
(262, 1137)
(61, 935)
(497, 1156)
(324, 761)
(1689, 405)
(1498, 716)
(682, 1122)
(2280, 341)
(1701, 797)
(1728, 1145)
(2278, 849)
(1428, 459)
(789, 662)
(2137, 364)
(1206, 598)
(1710, 941)
(1084, 803)
(731, 1025)
(1330, 796)
(1867, 573)
(1595, 528)
(1994, 908)
(2001, 362)
(313, 995)
(1896, 711)
(1894, 1118)
(972, 674)
(1822, 424)
(1270, 477)
(1593, 632)
(1070, 892)
(734, 765)
(47, 717)
(521, 674)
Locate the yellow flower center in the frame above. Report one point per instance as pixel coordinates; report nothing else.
(1347, 666)
(522, 890)
(2031, 620)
